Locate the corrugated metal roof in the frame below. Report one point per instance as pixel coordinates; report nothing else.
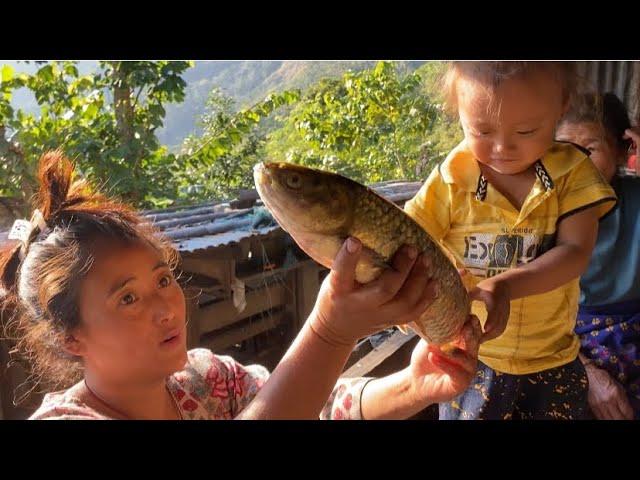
(205, 242)
(214, 225)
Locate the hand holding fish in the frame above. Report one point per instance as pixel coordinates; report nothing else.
(496, 296)
(346, 310)
(434, 375)
(437, 376)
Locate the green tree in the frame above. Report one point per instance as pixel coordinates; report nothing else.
(372, 125)
(220, 161)
(105, 121)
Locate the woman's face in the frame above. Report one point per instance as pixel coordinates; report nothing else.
(132, 315)
(592, 136)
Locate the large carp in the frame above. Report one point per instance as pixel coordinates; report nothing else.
(321, 209)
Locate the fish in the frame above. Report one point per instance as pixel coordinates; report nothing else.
(320, 209)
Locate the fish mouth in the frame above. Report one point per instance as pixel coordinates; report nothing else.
(261, 176)
(259, 170)
(263, 179)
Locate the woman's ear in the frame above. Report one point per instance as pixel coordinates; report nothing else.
(74, 345)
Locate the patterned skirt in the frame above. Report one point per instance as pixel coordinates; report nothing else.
(610, 336)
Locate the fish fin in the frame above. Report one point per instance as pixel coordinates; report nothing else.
(404, 329)
(375, 258)
(450, 348)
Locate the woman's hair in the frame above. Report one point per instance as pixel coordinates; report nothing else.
(39, 278)
(492, 74)
(606, 110)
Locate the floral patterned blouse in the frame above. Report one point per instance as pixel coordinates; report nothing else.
(210, 387)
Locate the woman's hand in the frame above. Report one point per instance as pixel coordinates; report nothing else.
(347, 310)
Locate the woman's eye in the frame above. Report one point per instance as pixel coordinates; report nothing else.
(128, 299)
(165, 281)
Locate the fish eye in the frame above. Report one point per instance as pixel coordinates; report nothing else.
(294, 181)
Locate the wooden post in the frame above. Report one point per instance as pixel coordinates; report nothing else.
(307, 287)
(291, 307)
(193, 329)
(221, 269)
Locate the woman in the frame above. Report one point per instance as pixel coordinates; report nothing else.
(609, 316)
(96, 303)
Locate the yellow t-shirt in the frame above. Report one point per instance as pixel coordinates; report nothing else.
(487, 235)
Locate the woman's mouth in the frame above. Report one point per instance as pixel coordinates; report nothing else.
(171, 339)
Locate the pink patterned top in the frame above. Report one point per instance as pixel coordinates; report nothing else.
(210, 387)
